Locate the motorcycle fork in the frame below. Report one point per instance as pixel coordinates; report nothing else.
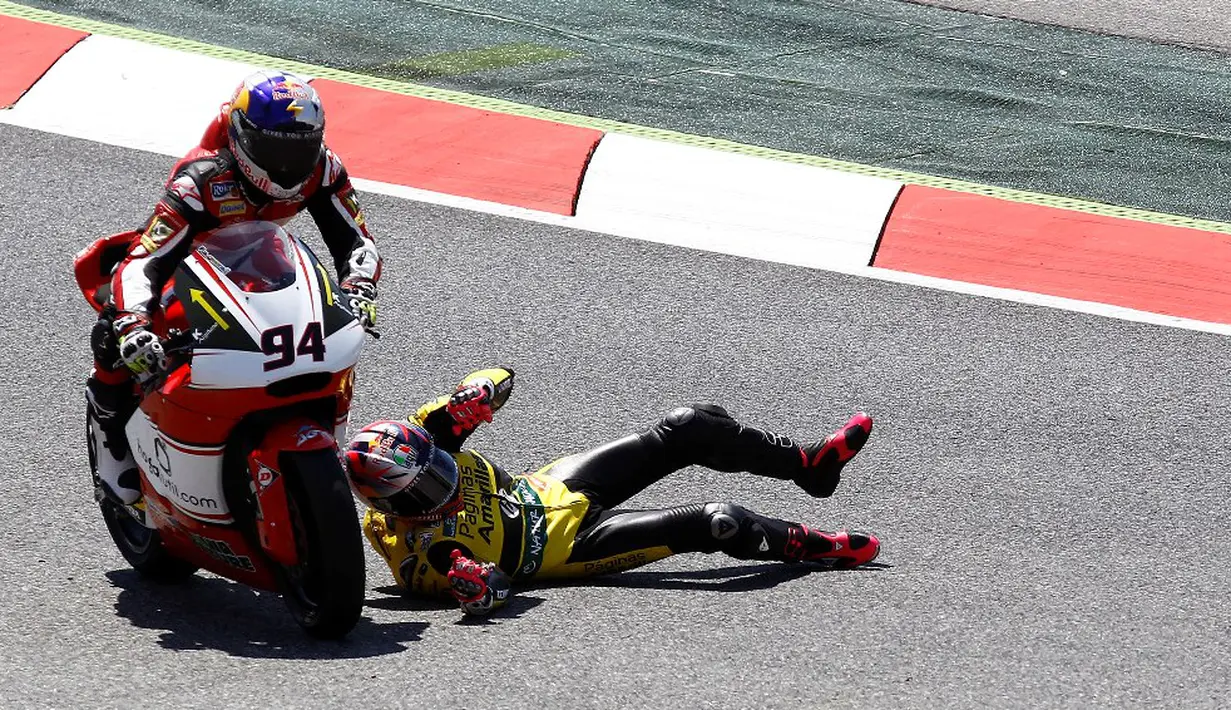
(274, 527)
(274, 530)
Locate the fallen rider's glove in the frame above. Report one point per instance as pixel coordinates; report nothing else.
(470, 405)
(478, 587)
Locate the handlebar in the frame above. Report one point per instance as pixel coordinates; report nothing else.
(177, 344)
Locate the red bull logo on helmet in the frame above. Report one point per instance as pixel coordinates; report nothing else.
(290, 90)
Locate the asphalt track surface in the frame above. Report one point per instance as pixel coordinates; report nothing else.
(1191, 23)
(1050, 486)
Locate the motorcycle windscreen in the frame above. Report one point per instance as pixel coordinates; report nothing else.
(262, 309)
(257, 257)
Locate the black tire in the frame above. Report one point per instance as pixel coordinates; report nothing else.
(325, 591)
(142, 547)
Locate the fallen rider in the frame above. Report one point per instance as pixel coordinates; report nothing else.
(450, 522)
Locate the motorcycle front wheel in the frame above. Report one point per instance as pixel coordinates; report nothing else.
(325, 590)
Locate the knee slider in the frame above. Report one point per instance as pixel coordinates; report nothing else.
(725, 520)
(713, 409)
(689, 426)
(677, 431)
(681, 416)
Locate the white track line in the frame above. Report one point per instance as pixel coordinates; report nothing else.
(803, 258)
(807, 260)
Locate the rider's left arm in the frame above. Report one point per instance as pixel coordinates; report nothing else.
(400, 544)
(434, 416)
(335, 209)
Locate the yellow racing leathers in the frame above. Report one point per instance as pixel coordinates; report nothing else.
(525, 524)
(563, 520)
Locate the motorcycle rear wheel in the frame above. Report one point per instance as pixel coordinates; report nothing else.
(325, 591)
(142, 547)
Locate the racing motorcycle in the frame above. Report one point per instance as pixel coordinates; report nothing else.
(235, 441)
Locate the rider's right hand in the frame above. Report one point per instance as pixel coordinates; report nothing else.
(140, 348)
(362, 295)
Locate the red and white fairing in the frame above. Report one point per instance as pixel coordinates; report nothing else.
(285, 314)
(273, 361)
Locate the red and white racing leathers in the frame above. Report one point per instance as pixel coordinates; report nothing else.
(206, 191)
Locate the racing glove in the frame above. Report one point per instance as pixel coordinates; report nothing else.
(140, 349)
(471, 404)
(362, 296)
(478, 587)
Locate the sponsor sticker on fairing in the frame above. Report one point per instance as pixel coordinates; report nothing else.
(200, 335)
(221, 551)
(204, 253)
(265, 476)
(305, 434)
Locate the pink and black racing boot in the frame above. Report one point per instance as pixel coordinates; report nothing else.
(847, 548)
(824, 460)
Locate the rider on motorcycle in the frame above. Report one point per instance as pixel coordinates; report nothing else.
(449, 521)
(262, 158)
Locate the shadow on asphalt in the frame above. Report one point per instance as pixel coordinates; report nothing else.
(398, 601)
(213, 613)
(744, 578)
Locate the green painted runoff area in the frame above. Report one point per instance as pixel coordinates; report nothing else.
(469, 61)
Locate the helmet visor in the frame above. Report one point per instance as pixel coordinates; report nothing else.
(431, 489)
(288, 157)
